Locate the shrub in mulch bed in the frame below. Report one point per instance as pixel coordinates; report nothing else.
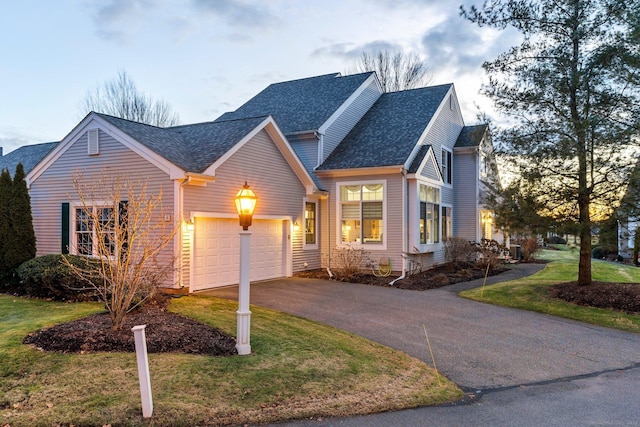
(436, 277)
(165, 332)
(616, 296)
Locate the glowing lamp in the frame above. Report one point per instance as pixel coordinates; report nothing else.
(245, 204)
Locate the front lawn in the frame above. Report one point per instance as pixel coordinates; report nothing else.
(531, 293)
(299, 369)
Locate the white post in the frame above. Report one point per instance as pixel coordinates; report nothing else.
(244, 315)
(143, 370)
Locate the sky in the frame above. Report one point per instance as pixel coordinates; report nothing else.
(206, 57)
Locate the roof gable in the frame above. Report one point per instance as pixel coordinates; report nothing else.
(301, 105)
(193, 148)
(389, 132)
(426, 165)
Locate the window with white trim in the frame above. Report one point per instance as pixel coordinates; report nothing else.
(429, 214)
(310, 223)
(95, 229)
(446, 166)
(362, 213)
(446, 223)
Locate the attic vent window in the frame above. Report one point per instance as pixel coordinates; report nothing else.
(93, 143)
(452, 104)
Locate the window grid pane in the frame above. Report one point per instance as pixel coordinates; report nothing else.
(310, 223)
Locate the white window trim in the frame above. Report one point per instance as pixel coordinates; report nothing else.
(305, 245)
(442, 206)
(73, 236)
(338, 220)
(426, 247)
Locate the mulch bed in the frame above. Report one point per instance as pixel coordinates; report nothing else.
(616, 296)
(165, 332)
(436, 277)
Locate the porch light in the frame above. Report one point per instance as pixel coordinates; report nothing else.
(245, 204)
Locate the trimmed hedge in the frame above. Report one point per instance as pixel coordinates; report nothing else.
(48, 277)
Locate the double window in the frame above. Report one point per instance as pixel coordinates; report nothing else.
(362, 213)
(98, 231)
(95, 231)
(429, 214)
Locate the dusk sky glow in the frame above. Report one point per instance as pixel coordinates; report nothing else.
(205, 57)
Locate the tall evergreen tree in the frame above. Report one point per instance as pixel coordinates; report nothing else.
(22, 243)
(5, 220)
(572, 90)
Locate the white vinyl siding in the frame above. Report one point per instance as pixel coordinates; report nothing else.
(339, 128)
(392, 247)
(279, 191)
(466, 221)
(55, 186)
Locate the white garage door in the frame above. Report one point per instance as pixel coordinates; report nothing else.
(216, 252)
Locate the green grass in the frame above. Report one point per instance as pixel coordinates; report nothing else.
(298, 369)
(530, 293)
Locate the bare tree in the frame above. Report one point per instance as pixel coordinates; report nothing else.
(121, 225)
(121, 98)
(396, 70)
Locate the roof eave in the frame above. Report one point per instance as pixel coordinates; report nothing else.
(377, 170)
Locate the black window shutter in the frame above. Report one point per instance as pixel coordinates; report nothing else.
(123, 209)
(449, 167)
(65, 228)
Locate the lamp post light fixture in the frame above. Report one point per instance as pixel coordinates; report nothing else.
(245, 204)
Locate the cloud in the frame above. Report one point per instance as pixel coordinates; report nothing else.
(352, 52)
(114, 19)
(10, 143)
(459, 45)
(237, 13)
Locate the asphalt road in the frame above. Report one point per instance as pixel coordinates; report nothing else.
(518, 368)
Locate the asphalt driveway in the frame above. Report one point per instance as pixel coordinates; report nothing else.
(481, 347)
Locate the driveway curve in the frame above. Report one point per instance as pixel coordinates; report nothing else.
(480, 347)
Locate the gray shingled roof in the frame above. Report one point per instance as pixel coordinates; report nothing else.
(28, 155)
(471, 136)
(191, 147)
(301, 105)
(389, 131)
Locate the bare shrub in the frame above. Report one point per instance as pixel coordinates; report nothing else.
(348, 261)
(458, 250)
(529, 249)
(122, 226)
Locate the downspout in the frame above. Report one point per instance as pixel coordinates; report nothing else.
(320, 159)
(405, 228)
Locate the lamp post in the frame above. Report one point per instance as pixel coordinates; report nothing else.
(245, 204)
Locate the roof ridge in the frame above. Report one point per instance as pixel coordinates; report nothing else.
(128, 120)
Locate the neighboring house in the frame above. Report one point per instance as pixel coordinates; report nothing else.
(629, 220)
(28, 155)
(334, 162)
(476, 178)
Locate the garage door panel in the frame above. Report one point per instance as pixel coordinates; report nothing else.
(217, 252)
